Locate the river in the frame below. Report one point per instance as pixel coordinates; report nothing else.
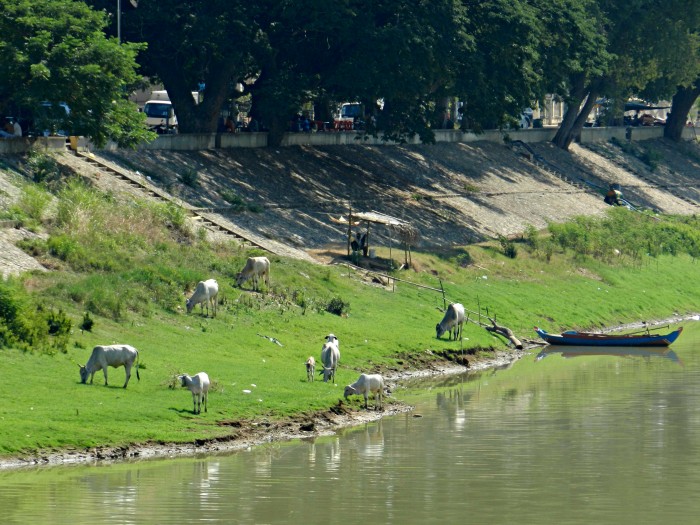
(549, 439)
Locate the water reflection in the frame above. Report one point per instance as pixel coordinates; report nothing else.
(626, 351)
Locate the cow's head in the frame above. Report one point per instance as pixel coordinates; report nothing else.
(438, 331)
(331, 337)
(189, 305)
(83, 374)
(349, 391)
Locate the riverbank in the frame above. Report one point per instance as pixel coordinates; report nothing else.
(251, 433)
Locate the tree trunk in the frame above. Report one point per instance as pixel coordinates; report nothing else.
(202, 117)
(564, 135)
(682, 102)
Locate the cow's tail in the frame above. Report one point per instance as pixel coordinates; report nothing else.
(137, 366)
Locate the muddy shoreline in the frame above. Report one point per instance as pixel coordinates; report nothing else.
(247, 434)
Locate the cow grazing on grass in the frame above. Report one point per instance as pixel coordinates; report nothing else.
(452, 322)
(114, 356)
(199, 386)
(256, 268)
(205, 293)
(367, 384)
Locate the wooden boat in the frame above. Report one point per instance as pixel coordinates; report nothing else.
(573, 338)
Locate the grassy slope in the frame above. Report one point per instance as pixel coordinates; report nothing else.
(51, 409)
(132, 262)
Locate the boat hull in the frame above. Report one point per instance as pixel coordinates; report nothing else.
(588, 339)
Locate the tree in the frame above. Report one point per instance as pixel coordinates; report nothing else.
(682, 102)
(499, 76)
(647, 42)
(192, 44)
(56, 51)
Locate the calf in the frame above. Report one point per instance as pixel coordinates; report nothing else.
(366, 384)
(114, 356)
(310, 368)
(199, 386)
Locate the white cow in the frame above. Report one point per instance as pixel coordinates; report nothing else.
(255, 268)
(452, 322)
(206, 292)
(366, 384)
(199, 386)
(310, 368)
(330, 356)
(114, 356)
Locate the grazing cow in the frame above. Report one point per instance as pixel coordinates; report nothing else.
(114, 356)
(330, 338)
(330, 356)
(310, 368)
(255, 268)
(366, 384)
(205, 293)
(199, 386)
(452, 322)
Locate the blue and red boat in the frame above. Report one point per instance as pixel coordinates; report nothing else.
(574, 338)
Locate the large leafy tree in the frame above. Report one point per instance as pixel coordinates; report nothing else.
(56, 51)
(193, 44)
(646, 41)
(500, 76)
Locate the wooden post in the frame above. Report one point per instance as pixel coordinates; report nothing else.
(349, 229)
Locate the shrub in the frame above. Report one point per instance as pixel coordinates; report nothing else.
(190, 178)
(87, 323)
(508, 247)
(337, 306)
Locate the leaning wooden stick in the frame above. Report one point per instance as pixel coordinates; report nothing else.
(505, 332)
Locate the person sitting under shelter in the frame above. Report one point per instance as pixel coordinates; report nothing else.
(614, 196)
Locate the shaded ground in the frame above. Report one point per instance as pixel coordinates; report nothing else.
(454, 194)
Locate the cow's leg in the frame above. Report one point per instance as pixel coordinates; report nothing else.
(205, 396)
(127, 367)
(104, 371)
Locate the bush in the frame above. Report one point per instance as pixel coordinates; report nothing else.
(508, 247)
(337, 306)
(87, 323)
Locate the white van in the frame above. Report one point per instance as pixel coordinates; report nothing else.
(159, 112)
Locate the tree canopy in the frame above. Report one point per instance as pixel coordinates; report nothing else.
(404, 60)
(56, 51)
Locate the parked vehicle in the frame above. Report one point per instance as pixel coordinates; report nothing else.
(160, 115)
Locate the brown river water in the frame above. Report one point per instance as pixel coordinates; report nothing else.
(552, 438)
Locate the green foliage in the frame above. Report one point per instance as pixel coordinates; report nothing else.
(22, 326)
(532, 237)
(337, 306)
(190, 177)
(508, 247)
(57, 51)
(628, 234)
(43, 167)
(87, 323)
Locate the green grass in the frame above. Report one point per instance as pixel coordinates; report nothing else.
(134, 280)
